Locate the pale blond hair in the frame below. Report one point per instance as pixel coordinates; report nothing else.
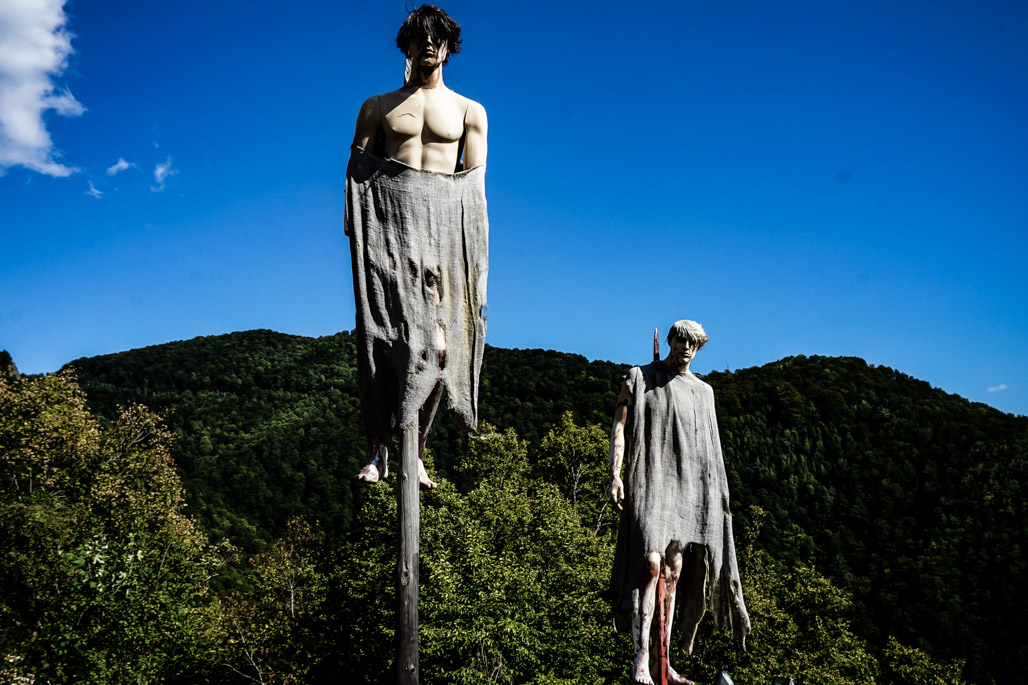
(690, 330)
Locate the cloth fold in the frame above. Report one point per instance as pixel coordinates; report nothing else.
(676, 491)
(419, 246)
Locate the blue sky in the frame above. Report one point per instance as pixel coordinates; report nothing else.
(800, 177)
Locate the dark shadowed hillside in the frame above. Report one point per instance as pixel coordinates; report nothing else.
(910, 498)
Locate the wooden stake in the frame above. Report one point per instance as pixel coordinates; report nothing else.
(407, 566)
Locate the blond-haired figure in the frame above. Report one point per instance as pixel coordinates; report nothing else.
(674, 502)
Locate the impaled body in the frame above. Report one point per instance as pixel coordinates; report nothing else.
(676, 501)
(425, 126)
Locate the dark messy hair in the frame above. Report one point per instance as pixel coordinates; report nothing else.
(429, 21)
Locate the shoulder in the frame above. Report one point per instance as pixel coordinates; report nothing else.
(636, 374)
(475, 109)
(705, 388)
(370, 107)
(652, 368)
(391, 98)
(629, 383)
(475, 112)
(387, 100)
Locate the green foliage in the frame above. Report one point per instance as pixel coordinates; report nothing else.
(911, 666)
(800, 627)
(575, 459)
(910, 500)
(363, 592)
(532, 389)
(7, 364)
(268, 424)
(512, 592)
(511, 582)
(102, 580)
(274, 627)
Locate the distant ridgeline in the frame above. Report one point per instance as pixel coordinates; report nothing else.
(908, 497)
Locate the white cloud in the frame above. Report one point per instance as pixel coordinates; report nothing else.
(120, 165)
(93, 192)
(34, 50)
(161, 173)
(997, 388)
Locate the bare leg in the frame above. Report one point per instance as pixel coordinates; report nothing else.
(672, 574)
(694, 583)
(377, 467)
(425, 418)
(643, 619)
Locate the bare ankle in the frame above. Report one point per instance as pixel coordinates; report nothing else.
(377, 467)
(424, 481)
(642, 669)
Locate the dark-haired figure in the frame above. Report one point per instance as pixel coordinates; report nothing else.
(675, 495)
(415, 134)
(424, 123)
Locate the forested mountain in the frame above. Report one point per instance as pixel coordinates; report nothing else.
(908, 498)
(269, 424)
(911, 498)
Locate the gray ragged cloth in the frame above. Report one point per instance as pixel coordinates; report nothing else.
(419, 243)
(676, 490)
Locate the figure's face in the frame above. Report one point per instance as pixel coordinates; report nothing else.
(682, 352)
(428, 51)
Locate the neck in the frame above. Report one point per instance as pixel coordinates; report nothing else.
(674, 366)
(425, 77)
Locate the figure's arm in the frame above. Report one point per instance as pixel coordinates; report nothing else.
(476, 127)
(617, 445)
(367, 124)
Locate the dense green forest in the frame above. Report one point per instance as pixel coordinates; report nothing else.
(880, 523)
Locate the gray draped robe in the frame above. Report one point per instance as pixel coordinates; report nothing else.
(416, 237)
(676, 490)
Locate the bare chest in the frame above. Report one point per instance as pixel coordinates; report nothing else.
(432, 118)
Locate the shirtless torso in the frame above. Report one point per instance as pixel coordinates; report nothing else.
(424, 128)
(427, 126)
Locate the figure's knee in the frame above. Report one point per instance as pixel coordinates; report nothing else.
(674, 561)
(652, 566)
(440, 344)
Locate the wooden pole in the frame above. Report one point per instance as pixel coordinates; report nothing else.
(407, 565)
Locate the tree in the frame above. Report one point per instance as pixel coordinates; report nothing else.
(574, 458)
(103, 577)
(911, 666)
(801, 630)
(511, 583)
(273, 628)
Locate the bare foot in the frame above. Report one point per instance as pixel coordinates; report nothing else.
(378, 468)
(424, 481)
(673, 677)
(642, 670)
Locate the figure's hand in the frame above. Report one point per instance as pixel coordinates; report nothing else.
(617, 491)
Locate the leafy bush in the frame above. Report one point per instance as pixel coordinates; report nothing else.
(103, 579)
